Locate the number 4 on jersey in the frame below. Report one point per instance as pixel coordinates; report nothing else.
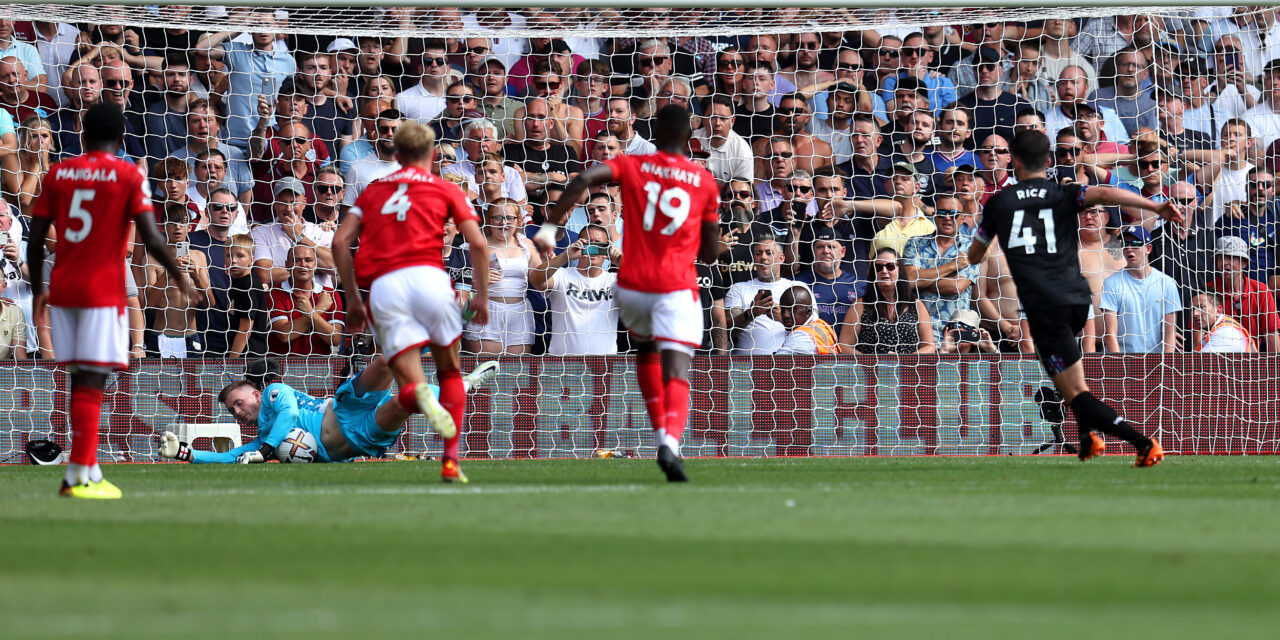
(1020, 236)
(673, 202)
(398, 203)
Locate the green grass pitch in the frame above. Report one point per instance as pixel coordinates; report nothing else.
(928, 548)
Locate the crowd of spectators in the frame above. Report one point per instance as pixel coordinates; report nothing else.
(853, 169)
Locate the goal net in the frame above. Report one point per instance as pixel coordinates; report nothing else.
(854, 150)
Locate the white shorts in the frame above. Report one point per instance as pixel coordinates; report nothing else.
(413, 307)
(509, 323)
(673, 319)
(91, 337)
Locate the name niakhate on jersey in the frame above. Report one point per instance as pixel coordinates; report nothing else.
(672, 173)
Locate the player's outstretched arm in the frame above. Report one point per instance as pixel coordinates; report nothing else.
(545, 240)
(172, 449)
(159, 249)
(343, 261)
(1115, 196)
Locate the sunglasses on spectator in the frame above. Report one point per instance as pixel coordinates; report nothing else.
(115, 84)
(479, 50)
(789, 111)
(221, 207)
(296, 140)
(1134, 242)
(946, 213)
(852, 68)
(784, 154)
(914, 51)
(655, 60)
(328, 188)
(802, 188)
(812, 46)
(885, 266)
(1225, 50)
(387, 129)
(1260, 184)
(1069, 151)
(438, 62)
(742, 195)
(1185, 202)
(543, 84)
(459, 98)
(724, 64)
(999, 150)
(889, 53)
(1150, 164)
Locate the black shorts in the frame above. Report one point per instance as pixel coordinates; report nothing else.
(1055, 331)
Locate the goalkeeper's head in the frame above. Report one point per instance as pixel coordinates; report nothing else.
(415, 144)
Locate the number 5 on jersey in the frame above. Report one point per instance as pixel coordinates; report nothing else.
(78, 212)
(673, 202)
(1020, 236)
(398, 203)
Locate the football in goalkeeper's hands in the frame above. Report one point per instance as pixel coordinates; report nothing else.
(298, 446)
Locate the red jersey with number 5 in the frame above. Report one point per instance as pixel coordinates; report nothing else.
(91, 199)
(404, 215)
(666, 198)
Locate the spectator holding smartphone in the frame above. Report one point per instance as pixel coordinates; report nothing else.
(173, 331)
(584, 318)
(963, 334)
(751, 306)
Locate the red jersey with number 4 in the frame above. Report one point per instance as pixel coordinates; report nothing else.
(91, 199)
(404, 215)
(666, 198)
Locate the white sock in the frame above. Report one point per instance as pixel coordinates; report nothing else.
(95, 473)
(671, 442)
(659, 437)
(77, 474)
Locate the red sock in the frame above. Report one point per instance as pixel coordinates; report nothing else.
(453, 397)
(649, 373)
(676, 398)
(407, 399)
(86, 408)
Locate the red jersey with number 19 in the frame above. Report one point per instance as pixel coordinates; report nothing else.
(666, 198)
(404, 215)
(91, 199)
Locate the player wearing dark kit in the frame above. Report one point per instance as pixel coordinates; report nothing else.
(1035, 221)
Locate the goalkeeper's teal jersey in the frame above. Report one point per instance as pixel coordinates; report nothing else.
(283, 408)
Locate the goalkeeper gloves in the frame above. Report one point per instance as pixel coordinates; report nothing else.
(171, 448)
(250, 457)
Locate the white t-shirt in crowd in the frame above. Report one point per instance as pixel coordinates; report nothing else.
(1230, 185)
(364, 171)
(764, 335)
(584, 318)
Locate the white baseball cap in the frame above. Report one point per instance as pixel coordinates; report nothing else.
(1232, 246)
(342, 44)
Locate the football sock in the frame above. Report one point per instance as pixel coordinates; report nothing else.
(407, 399)
(453, 397)
(1093, 414)
(86, 409)
(649, 374)
(95, 473)
(675, 395)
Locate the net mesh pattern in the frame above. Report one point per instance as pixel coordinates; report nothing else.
(832, 133)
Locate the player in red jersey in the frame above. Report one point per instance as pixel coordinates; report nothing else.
(675, 204)
(90, 201)
(399, 220)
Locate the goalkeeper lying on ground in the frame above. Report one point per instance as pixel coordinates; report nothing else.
(362, 419)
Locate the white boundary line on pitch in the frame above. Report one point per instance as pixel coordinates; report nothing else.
(408, 490)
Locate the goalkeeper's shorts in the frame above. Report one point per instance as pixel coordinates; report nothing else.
(356, 415)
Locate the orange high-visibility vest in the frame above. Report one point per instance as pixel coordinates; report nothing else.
(824, 337)
(1228, 321)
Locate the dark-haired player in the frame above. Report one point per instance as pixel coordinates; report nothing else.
(1035, 221)
(674, 203)
(91, 201)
